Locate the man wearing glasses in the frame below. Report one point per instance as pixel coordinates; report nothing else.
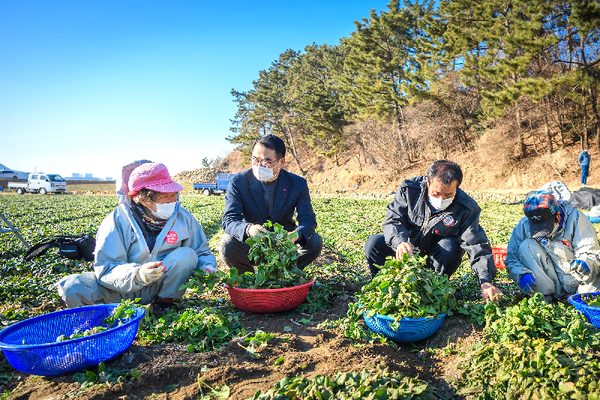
(267, 192)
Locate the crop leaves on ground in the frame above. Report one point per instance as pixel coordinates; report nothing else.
(105, 376)
(26, 288)
(254, 344)
(221, 392)
(533, 350)
(203, 328)
(380, 384)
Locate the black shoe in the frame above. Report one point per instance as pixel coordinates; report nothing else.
(160, 305)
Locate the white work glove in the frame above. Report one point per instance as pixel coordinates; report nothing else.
(150, 272)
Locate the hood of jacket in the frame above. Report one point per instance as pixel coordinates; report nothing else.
(122, 183)
(562, 194)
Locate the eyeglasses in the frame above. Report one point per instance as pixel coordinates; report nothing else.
(265, 162)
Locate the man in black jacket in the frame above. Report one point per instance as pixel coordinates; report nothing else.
(430, 214)
(267, 192)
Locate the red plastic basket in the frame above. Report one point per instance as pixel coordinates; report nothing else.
(499, 254)
(269, 300)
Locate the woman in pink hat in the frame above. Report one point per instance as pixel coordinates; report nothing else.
(146, 248)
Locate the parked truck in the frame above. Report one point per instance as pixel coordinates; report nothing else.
(41, 183)
(219, 187)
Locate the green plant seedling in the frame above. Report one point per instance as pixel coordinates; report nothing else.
(222, 392)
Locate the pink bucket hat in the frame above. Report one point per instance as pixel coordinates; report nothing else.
(153, 176)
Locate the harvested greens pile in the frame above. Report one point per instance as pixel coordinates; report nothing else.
(274, 257)
(406, 289)
(402, 289)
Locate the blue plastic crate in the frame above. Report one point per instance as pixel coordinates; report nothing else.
(410, 330)
(42, 355)
(591, 313)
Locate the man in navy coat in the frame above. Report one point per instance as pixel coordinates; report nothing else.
(267, 192)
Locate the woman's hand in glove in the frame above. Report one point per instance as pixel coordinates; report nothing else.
(150, 272)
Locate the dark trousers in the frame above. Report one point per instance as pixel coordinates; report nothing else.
(444, 256)
(585, 170)
(234, 253)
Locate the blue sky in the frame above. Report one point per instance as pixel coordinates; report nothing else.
(88, 86)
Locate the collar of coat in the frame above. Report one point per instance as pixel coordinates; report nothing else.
(420, 184)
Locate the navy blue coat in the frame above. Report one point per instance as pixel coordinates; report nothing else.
(245, 205)
(409, 219)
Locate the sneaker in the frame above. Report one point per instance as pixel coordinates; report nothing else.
(160, 305)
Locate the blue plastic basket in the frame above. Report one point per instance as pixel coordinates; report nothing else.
(594, 220)
(410, 330)
(42, 355)
(591, 313)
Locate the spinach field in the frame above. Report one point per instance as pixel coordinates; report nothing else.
(206, 348)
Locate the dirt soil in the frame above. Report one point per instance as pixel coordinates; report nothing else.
(170, 372)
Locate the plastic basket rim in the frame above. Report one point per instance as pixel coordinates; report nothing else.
(386, 317)
(269, 290)
(575, 300)
(16, 347)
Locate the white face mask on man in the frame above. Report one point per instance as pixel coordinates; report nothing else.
(264, 174)
(164, 211)
(440, 204)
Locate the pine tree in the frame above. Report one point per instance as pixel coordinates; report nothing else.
(317, 98)
(383, 71)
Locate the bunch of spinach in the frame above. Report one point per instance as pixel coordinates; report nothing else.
(274, 256)
(353, 385)
(406, 289)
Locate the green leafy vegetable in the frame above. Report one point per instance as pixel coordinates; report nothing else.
(406, 289)
(275, 257)
(342, 385)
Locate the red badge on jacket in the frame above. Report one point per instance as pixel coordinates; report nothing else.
(171, 237)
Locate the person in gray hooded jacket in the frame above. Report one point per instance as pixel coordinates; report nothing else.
(554, 249)
(146, 248)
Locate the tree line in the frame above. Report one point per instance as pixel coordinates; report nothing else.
(429, 78)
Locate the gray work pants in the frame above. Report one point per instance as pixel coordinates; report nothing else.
(547, 280)
(84, 289)
(234, 253)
